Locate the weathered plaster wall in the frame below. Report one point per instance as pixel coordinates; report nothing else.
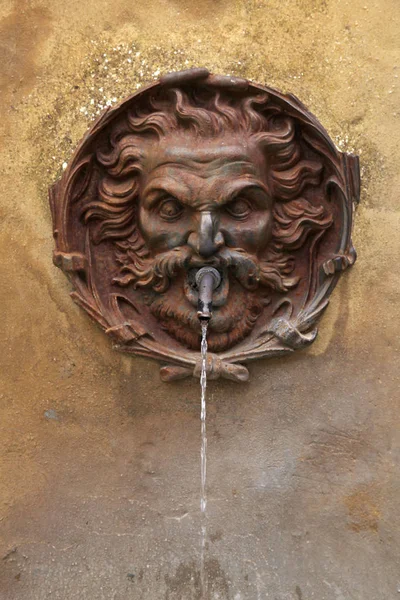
(99, 492)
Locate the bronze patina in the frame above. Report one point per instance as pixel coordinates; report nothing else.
(200, 170)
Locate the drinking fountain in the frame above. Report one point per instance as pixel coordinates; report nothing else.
(206, 197)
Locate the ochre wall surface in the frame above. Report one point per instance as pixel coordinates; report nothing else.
(99, 490)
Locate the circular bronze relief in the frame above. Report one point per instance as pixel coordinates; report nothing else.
(203, 170)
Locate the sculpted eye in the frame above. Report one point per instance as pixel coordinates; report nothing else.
(238, 208)
(170, 209)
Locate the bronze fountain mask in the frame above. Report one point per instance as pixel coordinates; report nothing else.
(197, 171)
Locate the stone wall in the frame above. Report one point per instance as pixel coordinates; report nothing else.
(99, 491)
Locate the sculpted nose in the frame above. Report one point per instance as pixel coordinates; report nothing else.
(207, 239)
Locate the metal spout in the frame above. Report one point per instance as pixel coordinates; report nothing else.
(207, 280)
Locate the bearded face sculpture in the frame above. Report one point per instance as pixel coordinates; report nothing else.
(200, 170)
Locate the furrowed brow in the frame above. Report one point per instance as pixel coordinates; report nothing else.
(245, 186)
(158, 187)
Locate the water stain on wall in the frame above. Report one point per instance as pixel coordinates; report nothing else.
(186, 582)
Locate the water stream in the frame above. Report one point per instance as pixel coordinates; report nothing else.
(203, 460)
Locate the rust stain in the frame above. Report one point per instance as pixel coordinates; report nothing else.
(363, 511)
(333, 450)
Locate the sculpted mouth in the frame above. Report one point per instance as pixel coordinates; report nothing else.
(237, 311)
(220, 294)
